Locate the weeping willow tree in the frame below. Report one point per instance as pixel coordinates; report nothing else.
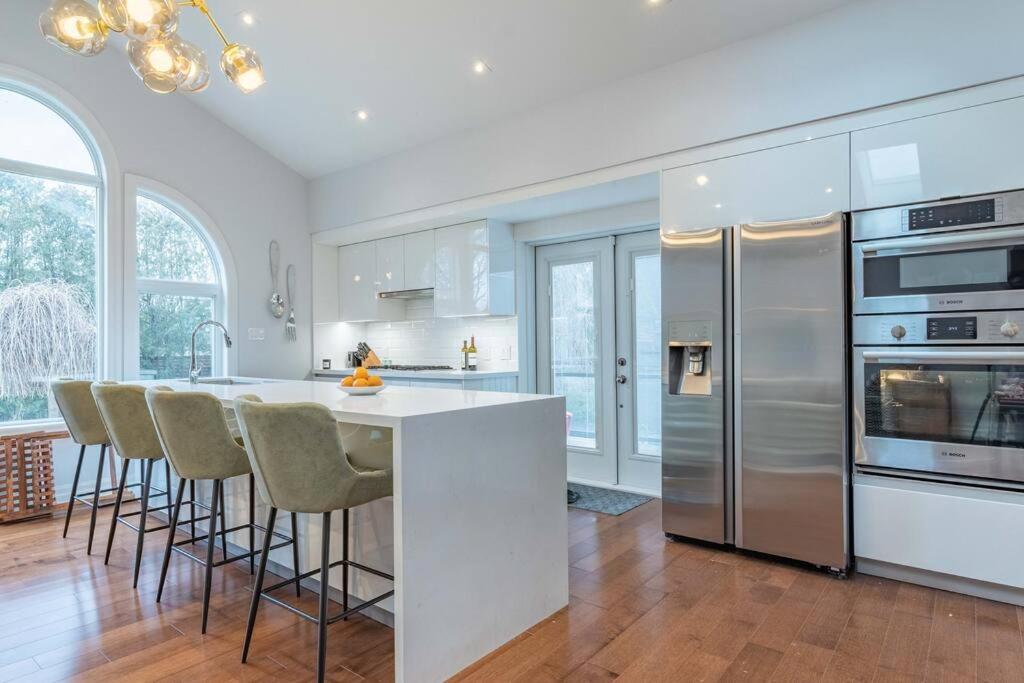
(47, 330)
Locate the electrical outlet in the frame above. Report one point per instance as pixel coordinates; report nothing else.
(257, 334)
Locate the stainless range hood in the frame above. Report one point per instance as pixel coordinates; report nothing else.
(427, 293)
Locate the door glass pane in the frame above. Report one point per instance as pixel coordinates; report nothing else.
(647, 328)
(166, 322)
(969, 404)
(574, 348)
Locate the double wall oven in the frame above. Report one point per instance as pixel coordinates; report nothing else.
(938, 333)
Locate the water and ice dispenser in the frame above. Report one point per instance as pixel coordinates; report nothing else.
(689, 358)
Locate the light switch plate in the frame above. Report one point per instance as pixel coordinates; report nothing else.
(257, 334)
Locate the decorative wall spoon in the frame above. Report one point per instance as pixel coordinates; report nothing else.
(276, 300)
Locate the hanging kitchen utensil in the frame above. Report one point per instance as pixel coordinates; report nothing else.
(289, 327)
(276, 300)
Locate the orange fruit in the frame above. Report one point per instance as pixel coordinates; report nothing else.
(360, 382)
(347, 382)
(375, 381)
(360, 373)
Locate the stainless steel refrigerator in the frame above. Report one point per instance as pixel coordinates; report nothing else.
(754, 413)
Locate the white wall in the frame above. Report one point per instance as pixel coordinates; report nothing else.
(864, 55)
(251, 196)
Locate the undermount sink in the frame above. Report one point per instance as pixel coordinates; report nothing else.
(231, 380)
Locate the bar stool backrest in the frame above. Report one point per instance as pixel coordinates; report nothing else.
(296, 454)
(78, 408)
(195, 435)
(126, 416)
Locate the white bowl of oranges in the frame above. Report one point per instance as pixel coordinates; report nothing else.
(362, 383)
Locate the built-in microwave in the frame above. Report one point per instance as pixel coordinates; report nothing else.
(962, 254)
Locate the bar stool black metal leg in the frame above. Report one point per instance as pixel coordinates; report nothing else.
(192, 508)
(74, 490)
(211, 543)
(223, 523)
(170, 538)
(252, 521)
(295, 553)
(167, 479)
(117, 508)
(325, 571)
(344, 567)
(142, 521)
(257, 589)
(96, 499)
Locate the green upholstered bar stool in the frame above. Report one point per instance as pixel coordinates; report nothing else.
(196, 439)
(78, 408)
(126, 417)
(303, 462)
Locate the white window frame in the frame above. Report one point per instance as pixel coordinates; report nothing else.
(108, 201)
(223, 292)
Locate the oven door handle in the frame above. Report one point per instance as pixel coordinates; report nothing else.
(906, 243)
(930, 356)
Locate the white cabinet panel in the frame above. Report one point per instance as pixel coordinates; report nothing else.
(475, 270)
(419, 260)
(325, 284)
(794, 181)
(964, 152)
(941, 528)
(357, 265)
(391, 264)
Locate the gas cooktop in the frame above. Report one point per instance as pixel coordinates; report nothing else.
(414, 368)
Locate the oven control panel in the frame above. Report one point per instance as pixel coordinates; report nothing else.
(983, 327)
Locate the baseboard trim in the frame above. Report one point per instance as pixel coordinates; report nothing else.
(946, 582)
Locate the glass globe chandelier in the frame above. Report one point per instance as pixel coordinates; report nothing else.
(164, 61)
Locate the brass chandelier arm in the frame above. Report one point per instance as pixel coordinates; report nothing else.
(201, 6)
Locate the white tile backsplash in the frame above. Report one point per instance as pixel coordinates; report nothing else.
(423, 339)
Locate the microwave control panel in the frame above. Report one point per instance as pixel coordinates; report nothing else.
(976, 212)
(983, 327)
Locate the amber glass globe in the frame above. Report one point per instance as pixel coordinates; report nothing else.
(193, 69)
(74, 26)
(114, 13)
(242, 65)
(157, 62)
(148, 19)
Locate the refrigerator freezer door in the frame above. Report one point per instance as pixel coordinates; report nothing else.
(791, 485)
(695, 503)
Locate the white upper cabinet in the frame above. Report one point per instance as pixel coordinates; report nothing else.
(325, 284)
(475, 270)
(391, 264)
(419, 260)
(795, 181)
(963, 152)
(358, 287)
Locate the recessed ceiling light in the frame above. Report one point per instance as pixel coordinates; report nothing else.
(248, 19)
(481, 67)
(658, 2)
(828, 190)
(702, 180)
(718, 206)
(362, 114)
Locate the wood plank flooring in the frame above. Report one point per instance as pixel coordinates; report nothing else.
(642, 609)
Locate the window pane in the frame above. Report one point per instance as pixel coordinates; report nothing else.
(166, 322)
(48, 314)
(647, 313)
(35, 133)
(169, 248)
(574, 348)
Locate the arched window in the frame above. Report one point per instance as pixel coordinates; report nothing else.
(50, 295)
(179, 284)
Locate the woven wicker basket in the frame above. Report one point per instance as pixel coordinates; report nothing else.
(26, 475)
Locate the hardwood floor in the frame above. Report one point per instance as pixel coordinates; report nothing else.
(642, 609)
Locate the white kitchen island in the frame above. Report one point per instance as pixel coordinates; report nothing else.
(478, 521)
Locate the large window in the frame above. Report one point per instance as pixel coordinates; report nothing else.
(178, 287)
(50, 198)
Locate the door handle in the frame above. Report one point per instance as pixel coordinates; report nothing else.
(621, 379)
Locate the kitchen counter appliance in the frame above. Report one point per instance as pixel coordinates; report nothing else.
(938, 366)
(755, 409)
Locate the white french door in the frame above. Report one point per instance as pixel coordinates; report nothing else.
(599, 345)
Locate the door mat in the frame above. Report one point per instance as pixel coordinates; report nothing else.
(605, 501)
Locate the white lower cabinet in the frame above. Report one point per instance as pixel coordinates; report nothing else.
(953, 530)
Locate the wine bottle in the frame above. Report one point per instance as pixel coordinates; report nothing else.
(464, 359)
(471, 362)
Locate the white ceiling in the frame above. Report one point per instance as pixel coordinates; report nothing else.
(408, 63)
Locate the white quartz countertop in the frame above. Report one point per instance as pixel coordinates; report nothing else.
(386, 408)
(454, 375)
